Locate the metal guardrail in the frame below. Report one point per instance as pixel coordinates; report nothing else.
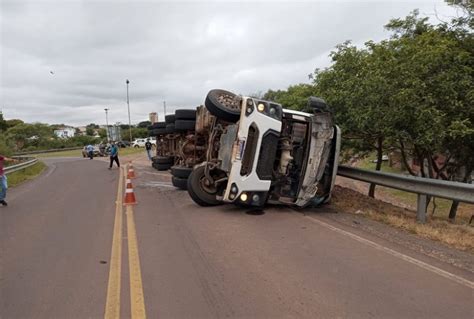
(13, 168)
(50, 151)
(424, 187)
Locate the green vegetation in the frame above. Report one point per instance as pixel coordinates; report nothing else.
(26, 174)
(17, 136)
(412, 93)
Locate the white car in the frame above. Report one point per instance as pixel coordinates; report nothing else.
(140, 142)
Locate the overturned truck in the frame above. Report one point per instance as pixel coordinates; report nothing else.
(257, 152)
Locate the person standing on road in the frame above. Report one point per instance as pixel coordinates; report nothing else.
(3, 181)
(90, 151)
(148, 147)
(114, 155)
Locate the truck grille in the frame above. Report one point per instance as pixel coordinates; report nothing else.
(250, 149)
(266, 158)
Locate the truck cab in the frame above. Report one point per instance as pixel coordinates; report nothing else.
(260, 152)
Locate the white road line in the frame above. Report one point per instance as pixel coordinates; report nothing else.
(157, 184)
(394, 253)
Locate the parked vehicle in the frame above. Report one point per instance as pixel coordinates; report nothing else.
(123, 144)
(258, 152)
(140, 142)
(97, 152)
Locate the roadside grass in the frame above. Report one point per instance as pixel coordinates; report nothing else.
(131, 151)
(455, 235)
(458, 236)
(367, 163)
(443, 206)
(21, 176)
(78, 153)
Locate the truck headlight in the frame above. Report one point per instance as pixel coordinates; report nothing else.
(243, 197)
(261, 107)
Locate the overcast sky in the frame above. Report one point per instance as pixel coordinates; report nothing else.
(170, 51)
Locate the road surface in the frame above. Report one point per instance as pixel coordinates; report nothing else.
(195, 262)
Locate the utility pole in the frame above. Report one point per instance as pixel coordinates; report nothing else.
(164, 110)
(129, 121)
(107, 124)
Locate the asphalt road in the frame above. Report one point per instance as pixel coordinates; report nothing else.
(221, 262)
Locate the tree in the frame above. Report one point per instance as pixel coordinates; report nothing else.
(13, 122)
(103, 133)
(3, 123)
(29, 134)
(144, 124)
(90, 131)
(295, 97)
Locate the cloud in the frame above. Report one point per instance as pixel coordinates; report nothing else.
(169, 51)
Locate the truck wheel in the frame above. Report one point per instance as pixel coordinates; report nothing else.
(181, 183)
(163, 160)
(163, 167)
(161, 131)
(170, 128)
(181, 171)
(185, 115)
(199, 192)
(185, 125)
(169, 119)
(224, 104)
(136, 146)
(158, 125)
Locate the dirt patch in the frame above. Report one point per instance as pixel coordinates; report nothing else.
(350, 201)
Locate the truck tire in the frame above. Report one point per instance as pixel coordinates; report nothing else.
(185, 115)
(170, 128)
(196, 190)
(224, 105)
(185, 125)
(158, 125)
(163, 160)
(154, 132)
(169, 119)
(181, 171)
(181, 183)
(161, 131)
(163, 167)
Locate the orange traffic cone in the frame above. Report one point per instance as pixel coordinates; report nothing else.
(129, 194)
(131, 172)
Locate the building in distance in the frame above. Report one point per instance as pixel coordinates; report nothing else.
(153, 117)
(65, 132)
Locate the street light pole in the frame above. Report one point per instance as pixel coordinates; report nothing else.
(164, 109)
(107, 123)
(129, 121)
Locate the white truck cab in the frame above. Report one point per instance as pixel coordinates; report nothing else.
(267, 154)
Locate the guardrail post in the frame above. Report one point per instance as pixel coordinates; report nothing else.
(421, 209)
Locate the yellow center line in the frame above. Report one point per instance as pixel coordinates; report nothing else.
(137, 300)
(112, 306)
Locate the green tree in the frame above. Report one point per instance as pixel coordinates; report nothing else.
(13, 122)
(3, 123)
(144, 124)
(24, 135)
(295, 97)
